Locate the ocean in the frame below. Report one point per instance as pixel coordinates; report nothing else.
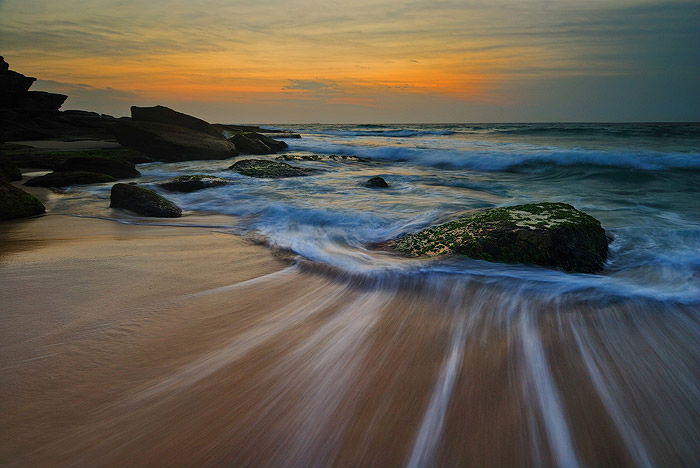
(594, 368)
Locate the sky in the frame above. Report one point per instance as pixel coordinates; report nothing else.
(362, 61)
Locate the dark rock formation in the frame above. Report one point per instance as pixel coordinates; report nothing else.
(34, 115)
(16, 203)
(112, 167)
(64, 179)
(165, 142)
(255, 143)
(41, 159)
(142, 201)
(548, 234)
(265, 169)
(190, 183)
(165, 115)
(376, 182)
(8, 170)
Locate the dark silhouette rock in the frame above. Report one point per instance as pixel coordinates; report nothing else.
(265, 169)
(376, 182)
(42, 101)
(142, 201)
(112, 167)
(8, 170)
(40, 159)
(64, 179)
(548, 234)
(16, 203)
(190, 183)
(164, 142)
(165, 115)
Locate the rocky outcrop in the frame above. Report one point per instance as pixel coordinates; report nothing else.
(111, 167)
(16, 203)
(64, 179)
(190, 183)
(8, 170)
(142, 201)
(376, 182)
(266, 169)
(42, 159)
(34, 115)
(548, 234)
(165, 115)
(255, 143)
(165, 142)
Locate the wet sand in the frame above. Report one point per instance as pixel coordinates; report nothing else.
(159, 346)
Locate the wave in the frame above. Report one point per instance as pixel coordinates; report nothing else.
(528, 157)
(385, 133)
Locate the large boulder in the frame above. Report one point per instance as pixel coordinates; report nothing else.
(549, 234)
(142, 201)
(265, 169)
(43, 101)
(190, 183)
(165, 142)
(16, 203)
(165, 115)
(115, 168)
(64, 179)
(376, 182)
(255, 143)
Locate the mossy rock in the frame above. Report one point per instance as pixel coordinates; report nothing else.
(548, 234)
(142, 201)
(41, 159)
(266, 169)
(112, 167)
(376, 182)
(190, 183)
(64, 179)
(8, 170)
(16, 203)
(320, 157)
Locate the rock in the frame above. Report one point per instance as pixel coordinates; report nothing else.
(164, 142)
(41, 159)
(265, 169)
(376, 182)
(112, 167)
(190, 183)
(142, 201)
(549, 234)
(281, 135)
(319, 157)
(165, 115)
(42, 101)
(16, 203)
(8, 170)
(255, 143)
(64, 179)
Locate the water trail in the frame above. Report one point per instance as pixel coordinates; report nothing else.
(430, 430)
(608, 393)
(540, 382)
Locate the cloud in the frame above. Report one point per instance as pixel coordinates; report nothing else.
(314, 89)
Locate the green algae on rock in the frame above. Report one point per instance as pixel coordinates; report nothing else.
(190, 183)
(142, 201)
(266, 169)
(16, 203)
(548, 234)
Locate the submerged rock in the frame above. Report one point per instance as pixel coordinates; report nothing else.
(112, 167)
(64, 179)
(266, 169)
(165, 142)
(142, 201)
(190, 183)
(377, 182)
(255, 143)
(16, 203)
(548, 234)
(165, 115)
